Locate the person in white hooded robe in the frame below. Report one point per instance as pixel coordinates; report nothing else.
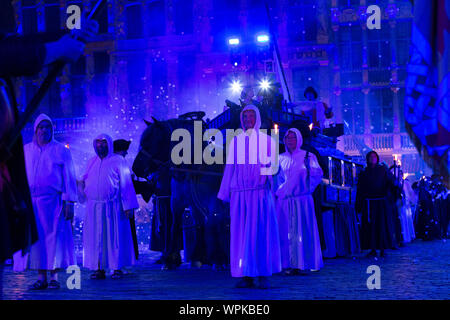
(52, 180)
(406, 216)
(111, 199)
(301, 173)
(254, 245)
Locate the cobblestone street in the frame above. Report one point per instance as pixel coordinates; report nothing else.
(417, 271)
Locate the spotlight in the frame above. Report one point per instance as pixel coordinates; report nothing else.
(264, 84)
(233, 41)
(262, 38)
(236, 86)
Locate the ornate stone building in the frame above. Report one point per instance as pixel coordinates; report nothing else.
(162, 58)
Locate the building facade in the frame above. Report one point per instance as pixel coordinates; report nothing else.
(163, 58)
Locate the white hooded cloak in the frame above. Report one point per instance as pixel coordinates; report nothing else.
(52, 179)
(406, 216)
(299, 235)
(109, 191)
(254, 245)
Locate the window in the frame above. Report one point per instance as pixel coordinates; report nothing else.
(381, 110)
(403, 34)
(378, 50)
(78, 87)
(225, 22)
(303, 78)
(350, 54)
(302, 21)
(103, 21)
(186, 76)
(134, 21)
(156, 20)
(29, 20)
(101, 70)
(348, 3)
(184, 16)
(352, 102)
(52, 17)
(136, 83)
(401, 109)
(159, 89)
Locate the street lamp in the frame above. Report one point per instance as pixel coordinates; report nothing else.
(234, 41)
(262, 38)
(264, 84)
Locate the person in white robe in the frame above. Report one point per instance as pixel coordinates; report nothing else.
(52, 180)
(406, 216)
(111, 199)
(254, 245)
(299, 235)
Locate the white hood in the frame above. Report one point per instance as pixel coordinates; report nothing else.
(109, 140)
(299, 138)
(258, 116)
(39, 119)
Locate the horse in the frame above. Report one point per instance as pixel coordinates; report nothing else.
(206, 223)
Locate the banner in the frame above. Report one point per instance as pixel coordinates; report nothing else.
(427, 101)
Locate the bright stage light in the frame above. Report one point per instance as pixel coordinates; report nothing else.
(236, 86)
(233, 41)
(264, 84)
(262, 38)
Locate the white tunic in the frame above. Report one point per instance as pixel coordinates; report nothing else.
(51, 176)
(300, 242)
(255, 248)
(406, 216)
(109, 191)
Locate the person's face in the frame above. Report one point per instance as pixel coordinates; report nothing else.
(44, 132)
(249, 119)
(291, 141)
(309, 96)
(101, 148)
(373, 160)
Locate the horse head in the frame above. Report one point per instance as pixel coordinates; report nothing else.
(154, 148)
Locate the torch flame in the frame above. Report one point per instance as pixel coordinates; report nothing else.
(311, 126)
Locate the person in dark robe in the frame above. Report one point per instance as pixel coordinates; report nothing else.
(121, 147)
(167, 233)
(371, 200)
(425, 212)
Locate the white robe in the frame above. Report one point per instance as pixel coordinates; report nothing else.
(51, 176)
(299, 234)
(107, 234)
(406, 216)
(254, 245)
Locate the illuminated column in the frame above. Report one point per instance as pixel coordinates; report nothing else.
(392, 12)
